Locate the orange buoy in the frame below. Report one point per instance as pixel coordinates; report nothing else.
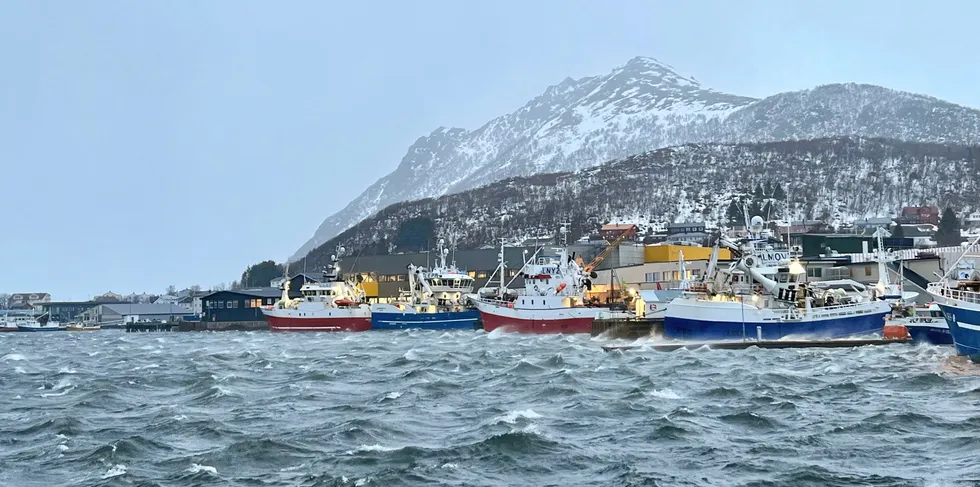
(896, 332)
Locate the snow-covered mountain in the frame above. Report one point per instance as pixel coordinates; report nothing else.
(840, 179)
(641, 106)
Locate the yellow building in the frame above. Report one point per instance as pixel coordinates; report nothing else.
(672, 253)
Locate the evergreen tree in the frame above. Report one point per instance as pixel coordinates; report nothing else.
(898, 231)
(759, 193)
(948, 234)
(259, 275)
(777, 193)
(768, 189)
(734, 213)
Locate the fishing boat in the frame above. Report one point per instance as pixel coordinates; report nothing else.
(335, 304)
(76, 326)
(39, 324)
(958, 296)
(763, 295)
(435, 300)
(926, 324)
(553, 298)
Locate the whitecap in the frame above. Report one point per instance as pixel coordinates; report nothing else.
(179, 418)
(62, 437)
(20, 370)
(411, 355)
(195, 468)
(665, 393)
(115, 471)
(393, 395)
(360, 482)
(63, 447)
(512, 416)
(66, 370)
(450, 466)
(13, 356)
(367, 448)
(56, 394)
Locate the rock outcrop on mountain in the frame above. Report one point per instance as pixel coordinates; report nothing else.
(638, 107)
(834, 179)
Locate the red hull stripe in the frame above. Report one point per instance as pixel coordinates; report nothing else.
(568, 325)
(279, 323)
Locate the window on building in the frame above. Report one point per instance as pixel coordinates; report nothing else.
(481, 275)
(231, 304)
(512, 272)
(268, 301)
(471, 273)
(221, 304)
(867, 270)
(402, 277)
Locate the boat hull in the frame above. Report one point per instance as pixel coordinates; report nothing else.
(933, 334)
(455, 320)
(964, 327)
(726, 321)
(39, 328)
(7, 328)
(538, 321)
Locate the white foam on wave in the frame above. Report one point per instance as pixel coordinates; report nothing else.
(360, 482)
(665, 393)
(116, 470)
(449, 466)
(411, 355)
(512, 416)
(20, 370)
(13, 356)
(393, 395)
(63, 447)
(196, 468)
(66, 370)
(496, 334)
(369, 448)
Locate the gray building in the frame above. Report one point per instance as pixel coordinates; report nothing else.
(133, 312)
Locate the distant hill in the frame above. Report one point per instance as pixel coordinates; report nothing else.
(832, 179)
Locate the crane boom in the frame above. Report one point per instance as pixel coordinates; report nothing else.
(606, 251)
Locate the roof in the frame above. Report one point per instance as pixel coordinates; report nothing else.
(618, 227)
(884, 220)
(663, 295)
(256, 292)
(685, 224)
(146, 309)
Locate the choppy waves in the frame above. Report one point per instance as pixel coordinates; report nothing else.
(465, 408)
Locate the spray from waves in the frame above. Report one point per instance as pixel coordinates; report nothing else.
(665, 393)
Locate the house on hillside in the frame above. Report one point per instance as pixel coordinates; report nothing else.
(27, 300)
(913, 215)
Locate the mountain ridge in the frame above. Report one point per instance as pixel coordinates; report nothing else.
(833, 179)
(637, 107)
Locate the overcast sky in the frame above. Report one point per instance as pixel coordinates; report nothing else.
(145, 144)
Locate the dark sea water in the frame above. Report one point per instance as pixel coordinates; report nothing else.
(470, 408)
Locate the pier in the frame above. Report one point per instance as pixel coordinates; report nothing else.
(151, 326)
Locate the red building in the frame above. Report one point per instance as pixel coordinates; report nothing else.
(612, 231)
(913, 215)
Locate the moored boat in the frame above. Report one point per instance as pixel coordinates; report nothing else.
(763, 296)
(435, 300)
(552, 301)
(926, 324)
(332, 305)
(959, 298)
(82, 327)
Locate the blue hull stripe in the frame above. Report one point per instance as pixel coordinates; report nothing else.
(687, 329)
(457, 320)
(964, 325)
(930, 334)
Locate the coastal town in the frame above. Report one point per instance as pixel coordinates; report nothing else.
(633, 267)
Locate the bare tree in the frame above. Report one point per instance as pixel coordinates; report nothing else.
(171, 290)
(4, 300)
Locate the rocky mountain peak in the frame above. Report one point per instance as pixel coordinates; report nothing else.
(637, 107)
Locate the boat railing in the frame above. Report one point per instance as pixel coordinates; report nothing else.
(958, 294)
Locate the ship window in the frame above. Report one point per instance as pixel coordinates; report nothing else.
(456, 283)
